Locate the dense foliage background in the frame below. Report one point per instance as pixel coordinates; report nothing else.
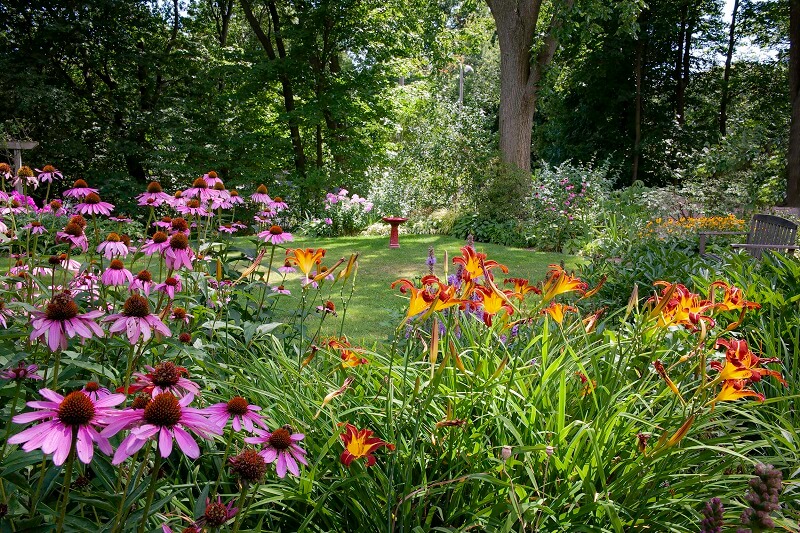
(310, 97)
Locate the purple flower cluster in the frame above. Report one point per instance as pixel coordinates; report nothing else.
(712, 517)
(762, 498)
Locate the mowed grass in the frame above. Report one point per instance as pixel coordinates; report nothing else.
(375, 309)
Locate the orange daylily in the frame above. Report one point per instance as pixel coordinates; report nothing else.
(352, 264)
(522, 287)
(741, 361)
(432, 296)
(741, 367)
(732, 299)
(306, 260)
(659, 366)
(360, 443)
(683, 307)
(474, 263)
(491, 303)
(557, 310)
(350, 356)
(559, 282)
(590, 321)
(735, 389)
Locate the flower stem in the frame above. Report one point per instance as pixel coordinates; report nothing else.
(240, 505)
(151, 490)
(67, 482)
(224, 460)
(54, 386)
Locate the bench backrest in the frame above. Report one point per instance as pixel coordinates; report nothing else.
(770, 229)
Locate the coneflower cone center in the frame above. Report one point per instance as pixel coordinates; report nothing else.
(61, 307)
(216, 514)
(280, 439)
(237, 406)
(160, 237)
(92, 198)
(200, 183)
(113, 237)
(76, 409)
(179, 313)
(141, 401)
(276, 230)
(49, 169)
(163, 410)
(92, 386)
(179, 241)
(154, 187)
(73, 229)
(116, 264)
(262, 189)
(80, 184)
(166, 374)
(179, 224)
(194, 204)
(249, 466)
(171, 282)
(144, 275)
(136, 306)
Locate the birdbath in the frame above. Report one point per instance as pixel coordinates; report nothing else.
(394, 241)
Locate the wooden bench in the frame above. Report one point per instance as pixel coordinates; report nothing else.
(767, 232)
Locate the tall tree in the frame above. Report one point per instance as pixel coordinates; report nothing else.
(793, 174)
(726, 76)
(520, 72)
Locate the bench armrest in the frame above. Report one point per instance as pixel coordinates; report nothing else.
(703, 237)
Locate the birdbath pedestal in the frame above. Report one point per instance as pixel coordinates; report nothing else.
(394, 241)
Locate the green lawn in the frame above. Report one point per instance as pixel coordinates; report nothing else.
(376, 309)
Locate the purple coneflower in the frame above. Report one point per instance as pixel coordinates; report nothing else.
(116, 274)
(122, 219)
(5, 313)
(180, 314)
(92, 205)
(171, 285)
(36, 228)
(287, 268)
(164, 223)
(275, 235)
(227, 228)
(193, 207)
(157, 244)
(25, 176)
(73, 416)
(165, 377)
(178, 253)
(80, 189)
(280, 289)
(244, 414)
(112, 246)
(136, 320)
(281, 445)
(212, 178)
(49, 173)
(199, 189)
(143, 281)
(217, 513)
(62, 320)
(73, 234)
(20, 372)
(261, 196)
(154, 196)
(93, 390)
(278, 204)
(235, 199)
(166, 418)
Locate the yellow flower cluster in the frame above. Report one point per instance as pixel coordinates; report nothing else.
(685, 226)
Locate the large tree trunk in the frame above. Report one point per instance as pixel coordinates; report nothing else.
(793, 174)
(520, 76)
(726, 76)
